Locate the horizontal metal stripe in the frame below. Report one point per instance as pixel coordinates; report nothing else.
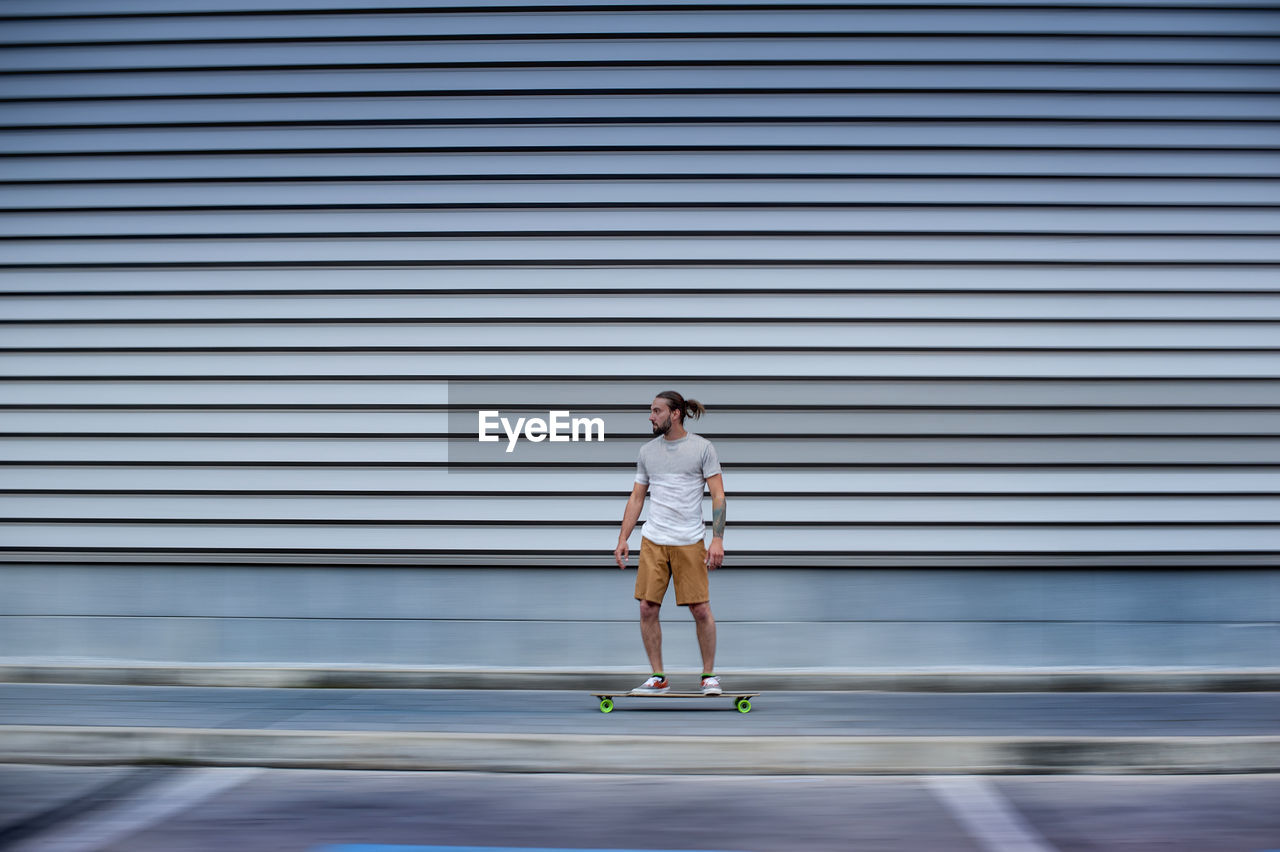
(88, 98)
(952, 232)
(339, 410)
(586, 324)
(530, 77)
(612, 494)
(800, 434)
(552, 65)
(622, 233)
(758, 557)
(647, 108)
(882, 48)
(634, 391)
(1170, 450)
(532, 337)
(632, 222)
(206, 465)
(432, 385)
(881, 538)
(632, 22)
(669, 151)
(1236, 427)
(1113, 266)
(1155, 211)
(759, 165)
(1186, 182)
(1259, 431)
(421, 623)
(906, 279)
(601, 349)
(777, 365)
(652, 250)
(510, 510)
(55, 9)
(1031, 122)
(742, 560)
(638, 263)
(991, 189)
(630, 306)
(613, 481)
(82, 8)
(49, 11)
(1224, 135)
(789, 423)
(505, 524)
(794, 41)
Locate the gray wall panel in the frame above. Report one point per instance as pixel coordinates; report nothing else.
(846, 190)
(976, 47)
(1081, 221)
(890, 364)
(695, 135)
(472, 393)
(801, 162)
(778, 539)
(924, 75)
(1152, 20)
(803, 450)
(1247, 334)
(982, 300)
(1024, 106)
(613, 481)
(797, 619)
(1063, 280)
(627, 424)
(651, 305)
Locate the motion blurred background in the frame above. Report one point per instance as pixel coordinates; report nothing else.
(981, 297)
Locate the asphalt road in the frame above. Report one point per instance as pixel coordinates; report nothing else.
(155, 809)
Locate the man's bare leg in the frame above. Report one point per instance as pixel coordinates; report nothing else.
(651, 633)
(706, 625)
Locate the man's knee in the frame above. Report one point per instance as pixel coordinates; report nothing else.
(700, 611)
(649, 609)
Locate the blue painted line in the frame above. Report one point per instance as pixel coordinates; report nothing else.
(378, 847)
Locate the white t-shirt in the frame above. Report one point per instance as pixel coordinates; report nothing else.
(675, 472)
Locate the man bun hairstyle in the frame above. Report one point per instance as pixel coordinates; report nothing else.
(688, 408)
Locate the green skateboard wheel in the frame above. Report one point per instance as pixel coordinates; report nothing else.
(606, 705)
(743, 705)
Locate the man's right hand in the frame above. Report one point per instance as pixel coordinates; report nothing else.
(620, 553)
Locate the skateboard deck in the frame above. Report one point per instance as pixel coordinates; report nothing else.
(741, 700)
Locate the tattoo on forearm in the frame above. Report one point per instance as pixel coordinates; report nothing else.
(717, 519)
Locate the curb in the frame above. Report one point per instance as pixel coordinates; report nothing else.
(1002, 680)
(615, 754)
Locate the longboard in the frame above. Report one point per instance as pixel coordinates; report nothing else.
(741, 700)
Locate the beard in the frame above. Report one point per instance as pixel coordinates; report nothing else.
(663, 429)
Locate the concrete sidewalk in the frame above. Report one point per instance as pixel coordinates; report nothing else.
(801, 732)
(993, 679)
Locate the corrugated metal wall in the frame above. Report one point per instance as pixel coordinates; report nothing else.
(962, 285)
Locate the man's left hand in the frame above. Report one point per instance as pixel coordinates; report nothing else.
(715, 554)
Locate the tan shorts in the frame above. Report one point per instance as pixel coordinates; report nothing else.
(660, 562)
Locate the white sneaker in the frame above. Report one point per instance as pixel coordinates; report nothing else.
(653, 686)
(711, 686)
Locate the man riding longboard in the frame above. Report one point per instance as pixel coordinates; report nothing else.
(673, 469)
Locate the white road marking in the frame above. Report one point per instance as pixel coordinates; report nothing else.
(989, 818)
(152, 805)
